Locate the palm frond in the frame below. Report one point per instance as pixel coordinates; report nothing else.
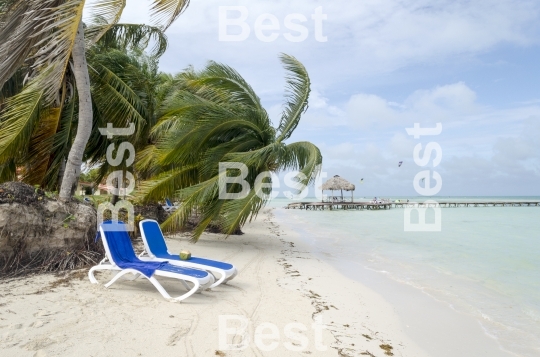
(191, 197)
(225, 78)
(209, 213)
(168, 183)
(57, 37)
(8, 171)
(17, 121)
(12, 86)
(146, 162)
(165, 12)
(216, 154)
(115, 99)
(105, 14)
(235, 213)
(303, 156)
(62, 142)
(298, 88)
(40, 148)
(19, 24)
(258, 158)
(132, 36)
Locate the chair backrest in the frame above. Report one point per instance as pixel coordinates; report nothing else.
(117, 243)
(168, 202)
(153, 239)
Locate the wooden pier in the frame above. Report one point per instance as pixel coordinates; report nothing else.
(388, 205)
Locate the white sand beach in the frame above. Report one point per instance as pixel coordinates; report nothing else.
(279, 282)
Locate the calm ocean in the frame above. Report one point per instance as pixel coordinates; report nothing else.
(485, 262)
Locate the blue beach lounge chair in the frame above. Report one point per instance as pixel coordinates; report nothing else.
(156, 251)
(169, 207)
(121, 257)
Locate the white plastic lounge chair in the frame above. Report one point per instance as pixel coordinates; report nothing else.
(156, 250)
(169, 207)
(121, 257)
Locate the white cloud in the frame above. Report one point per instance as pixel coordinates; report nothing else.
(401, 145)
(445, 103)
(486, 150)
(456, 97)
(367, 109)
(321, 114)
(364, 38)
(362, 134)
(316, 100)
(520, 155)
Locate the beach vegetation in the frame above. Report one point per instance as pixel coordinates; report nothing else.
(46, 83)
(64, 79)
(214, 116)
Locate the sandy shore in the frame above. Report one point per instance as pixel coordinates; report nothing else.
(314, 309)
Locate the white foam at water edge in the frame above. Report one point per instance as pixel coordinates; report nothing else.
(488, 334)
(485, 317)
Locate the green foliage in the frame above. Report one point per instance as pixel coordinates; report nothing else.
(36, 135)
(185, 124)
(214, 116)
(126, 86)
(90, 176)
(38, 97)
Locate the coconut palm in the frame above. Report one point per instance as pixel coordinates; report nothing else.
(212, 117)
(135, 80)
(47, 37)
(121, 77)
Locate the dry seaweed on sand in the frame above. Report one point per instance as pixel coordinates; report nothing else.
(387, 349)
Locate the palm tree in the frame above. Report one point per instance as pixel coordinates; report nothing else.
(134, 79)
(121, 91)
(47, 37)
(214, 116)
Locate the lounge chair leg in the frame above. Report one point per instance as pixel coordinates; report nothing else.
(91, 275)
(231, 277)
(119, 275)
(100, 266)
(166, 295)
(159, 288)
(196, 286)
(219, 281)
(185, 285)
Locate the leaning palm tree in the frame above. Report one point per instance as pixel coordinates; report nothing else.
(212, 117)
(47, 37)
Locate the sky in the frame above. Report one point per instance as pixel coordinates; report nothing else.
(377, 67)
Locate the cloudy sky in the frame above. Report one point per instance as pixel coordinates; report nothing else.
(379, 66)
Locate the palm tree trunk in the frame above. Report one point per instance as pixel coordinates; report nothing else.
(60, 174)
(115, 198)
(84, 127)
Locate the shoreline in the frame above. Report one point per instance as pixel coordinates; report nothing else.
(361, 321)
(433, 324)
(279, 282)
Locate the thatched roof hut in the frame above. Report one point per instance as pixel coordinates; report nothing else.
(338, 183)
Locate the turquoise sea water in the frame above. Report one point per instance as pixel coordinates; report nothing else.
(485, 262)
